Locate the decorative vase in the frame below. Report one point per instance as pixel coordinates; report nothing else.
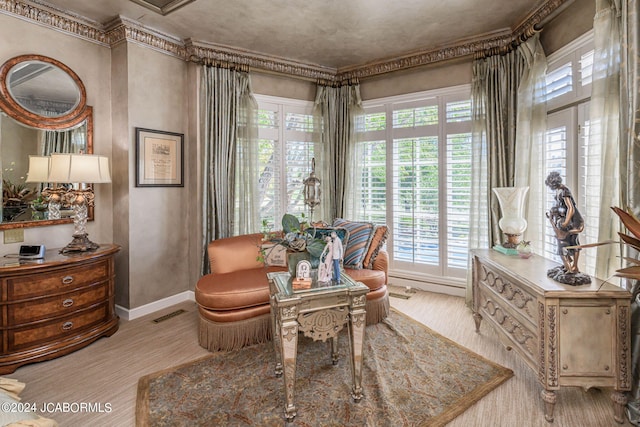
(512, 223)
(524, 249)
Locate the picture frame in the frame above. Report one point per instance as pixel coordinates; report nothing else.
(159, 158)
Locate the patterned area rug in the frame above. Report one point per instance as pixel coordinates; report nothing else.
(411, 376)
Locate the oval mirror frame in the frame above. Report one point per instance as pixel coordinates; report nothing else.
(81, 112)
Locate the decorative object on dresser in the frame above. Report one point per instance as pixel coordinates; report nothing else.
(80, 169)
(54, 306)
(512, 223)
(571, 336)
(567, 224)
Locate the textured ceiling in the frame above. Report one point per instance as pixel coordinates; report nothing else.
(332, 33)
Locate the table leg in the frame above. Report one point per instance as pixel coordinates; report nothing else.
(334, 350)
(276, 341)
(289, 351)
(357, 320)
(619, 404)
(477, 318)
(549, 399)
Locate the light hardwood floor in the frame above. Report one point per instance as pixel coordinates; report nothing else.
(107, 371)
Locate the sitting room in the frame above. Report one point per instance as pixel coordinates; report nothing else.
(329, 213)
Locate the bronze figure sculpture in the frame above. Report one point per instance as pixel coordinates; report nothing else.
(567, 224)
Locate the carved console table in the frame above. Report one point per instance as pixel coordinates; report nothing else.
(570, 335)
(56, 305)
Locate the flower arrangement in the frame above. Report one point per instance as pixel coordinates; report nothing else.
(16, 194)
(296, 236)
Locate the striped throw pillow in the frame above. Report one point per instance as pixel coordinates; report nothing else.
(356, 247)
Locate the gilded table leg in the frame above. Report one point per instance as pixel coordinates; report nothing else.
(334, 350)
(619, 403)
(276, 341)
(549, 398)
(289, 349)
(357, 322)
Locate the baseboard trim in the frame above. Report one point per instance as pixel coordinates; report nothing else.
(134, 313)
(152, 307)
(427, 286)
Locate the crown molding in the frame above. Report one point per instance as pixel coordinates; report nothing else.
(457, 50)
(122, 29)
(46, 15)
(199, 51)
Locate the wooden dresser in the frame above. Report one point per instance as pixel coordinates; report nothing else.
(56, 305)
(569, 335)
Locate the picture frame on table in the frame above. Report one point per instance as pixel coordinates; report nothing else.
(159, 158)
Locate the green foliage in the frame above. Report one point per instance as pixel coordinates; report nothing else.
(290, 224)
(315, 247)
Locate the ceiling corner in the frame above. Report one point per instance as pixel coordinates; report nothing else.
(163, 7)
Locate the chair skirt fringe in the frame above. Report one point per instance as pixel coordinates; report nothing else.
(377, 310)
(217, 336)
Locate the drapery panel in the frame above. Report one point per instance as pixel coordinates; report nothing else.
(66, 141)
(604, 128)
(629, 17)
(337, 107)
(495, 90)
(530, 139)
(494, 102)
(230, 171)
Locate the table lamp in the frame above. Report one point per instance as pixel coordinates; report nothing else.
(80, 170)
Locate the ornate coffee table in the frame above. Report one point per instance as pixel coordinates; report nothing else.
(320, 313)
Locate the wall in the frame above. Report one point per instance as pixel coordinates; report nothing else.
(158, 216)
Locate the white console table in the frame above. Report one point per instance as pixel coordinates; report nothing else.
(570, 335)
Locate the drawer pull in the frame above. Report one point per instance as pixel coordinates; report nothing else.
(67, 326)
(67, 280)
(67, 303)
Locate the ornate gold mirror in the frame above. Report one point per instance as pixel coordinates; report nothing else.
(43, 111)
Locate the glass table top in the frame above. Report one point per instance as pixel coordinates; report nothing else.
(284, 284)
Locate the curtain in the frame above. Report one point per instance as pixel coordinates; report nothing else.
(530, 137)
(630, 103)
(230, 172)
(494, 101)
(629, 18)
(337, 107)
(604, 128)
(66, 141)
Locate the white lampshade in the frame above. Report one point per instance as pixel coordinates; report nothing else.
(38, 169)
(85, 168)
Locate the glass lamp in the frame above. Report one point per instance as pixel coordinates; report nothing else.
(81, 170)
(312, 190)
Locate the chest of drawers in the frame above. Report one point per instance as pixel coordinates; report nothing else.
(569, 335)
(51, 307)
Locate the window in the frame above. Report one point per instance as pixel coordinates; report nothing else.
(416, 177)
(287, 144)
(567, 148)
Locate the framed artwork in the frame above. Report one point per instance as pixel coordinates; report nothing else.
(159, 158)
